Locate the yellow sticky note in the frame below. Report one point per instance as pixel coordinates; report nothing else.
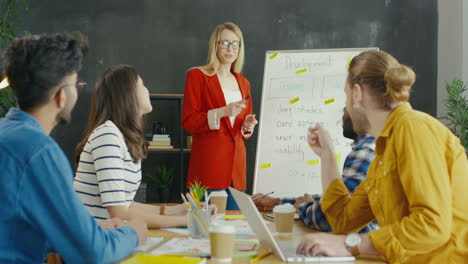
(295, 100)
(234, 217)
(166, 259)
(313, 162)
(266, 165)
(338, 157)
(329, 101)
(274, 55)
(348, 61)
(301, 71)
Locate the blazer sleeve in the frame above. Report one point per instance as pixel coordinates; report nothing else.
(194, 119)
(246, 83)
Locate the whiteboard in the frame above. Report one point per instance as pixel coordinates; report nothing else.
(300, 88)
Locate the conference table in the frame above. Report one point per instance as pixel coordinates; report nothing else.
(298, 230)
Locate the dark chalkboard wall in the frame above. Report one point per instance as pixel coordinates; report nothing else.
(162, 39)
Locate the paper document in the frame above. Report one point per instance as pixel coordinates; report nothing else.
(150, 243)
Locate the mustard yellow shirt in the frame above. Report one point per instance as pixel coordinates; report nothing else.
(416, 189)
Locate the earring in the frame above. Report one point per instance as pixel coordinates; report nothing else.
(356, 106)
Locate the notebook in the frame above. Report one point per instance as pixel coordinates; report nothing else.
(144, 259)
(150, 243)
(201, 247)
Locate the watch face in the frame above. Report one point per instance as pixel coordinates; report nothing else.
(352, 240)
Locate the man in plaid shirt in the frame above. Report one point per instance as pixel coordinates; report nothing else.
(355, 169)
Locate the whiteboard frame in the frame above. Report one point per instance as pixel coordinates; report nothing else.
(267, 54)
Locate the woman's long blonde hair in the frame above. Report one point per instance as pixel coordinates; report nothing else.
(212, 62)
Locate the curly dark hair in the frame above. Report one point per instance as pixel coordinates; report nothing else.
(36, 64)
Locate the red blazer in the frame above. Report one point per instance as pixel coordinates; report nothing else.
(218, 157)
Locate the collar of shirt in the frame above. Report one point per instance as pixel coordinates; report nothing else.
(362, 140)
(393, 119)
(21, 116)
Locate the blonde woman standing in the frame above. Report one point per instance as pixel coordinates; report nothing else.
(217, 111)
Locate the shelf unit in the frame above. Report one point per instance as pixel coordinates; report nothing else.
(179, 150)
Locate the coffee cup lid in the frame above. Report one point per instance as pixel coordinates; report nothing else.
(219, 194)
(284, 208)
(222, 228)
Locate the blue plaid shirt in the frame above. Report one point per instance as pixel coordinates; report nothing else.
(354, 171)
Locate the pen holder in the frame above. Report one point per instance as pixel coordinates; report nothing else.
(198, 222)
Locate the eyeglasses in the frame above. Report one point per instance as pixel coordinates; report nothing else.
(225, 44)
(79, 85)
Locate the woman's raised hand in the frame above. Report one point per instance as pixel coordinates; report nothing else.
(233, 109)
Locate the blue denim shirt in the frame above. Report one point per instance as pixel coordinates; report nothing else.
(39, 208)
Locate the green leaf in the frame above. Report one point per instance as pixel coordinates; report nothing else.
(163, 178)
(457, 110)
(11, 14)
(198, 189)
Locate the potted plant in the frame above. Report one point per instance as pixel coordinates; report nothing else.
(152, 188)
(198, 189)
(163, 181)
(457, 110)
(7, 99)
(11, 19)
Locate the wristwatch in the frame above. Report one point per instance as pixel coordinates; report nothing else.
(352, 242)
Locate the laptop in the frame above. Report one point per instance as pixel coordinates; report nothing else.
(285, 250)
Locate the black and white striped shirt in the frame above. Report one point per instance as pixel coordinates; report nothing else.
(106, 174)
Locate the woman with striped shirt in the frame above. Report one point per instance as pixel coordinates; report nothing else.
(109, 156)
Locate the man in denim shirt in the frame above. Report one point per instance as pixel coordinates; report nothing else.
(354, 171)
(40, 210)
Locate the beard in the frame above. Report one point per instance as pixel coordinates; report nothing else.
(348, 129)
(361, 124)
(64, 117)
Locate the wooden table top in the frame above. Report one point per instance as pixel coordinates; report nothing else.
(298, 230)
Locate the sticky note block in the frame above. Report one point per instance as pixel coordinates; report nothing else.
(167, 259)
(266, 165)
(234, 217)
(246, 247)
(274, 55)
(329, 101)
(295, 100)
(301, 71)
(313, 162)
(338, 157)
(348, 61)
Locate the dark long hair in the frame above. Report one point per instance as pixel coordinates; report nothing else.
(115, 99)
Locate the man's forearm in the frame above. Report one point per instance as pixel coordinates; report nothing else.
(329, 169)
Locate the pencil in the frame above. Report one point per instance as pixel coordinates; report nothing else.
(262, 196)
(259, 257)
(186, 255)
(185, 201)
(206, 199)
